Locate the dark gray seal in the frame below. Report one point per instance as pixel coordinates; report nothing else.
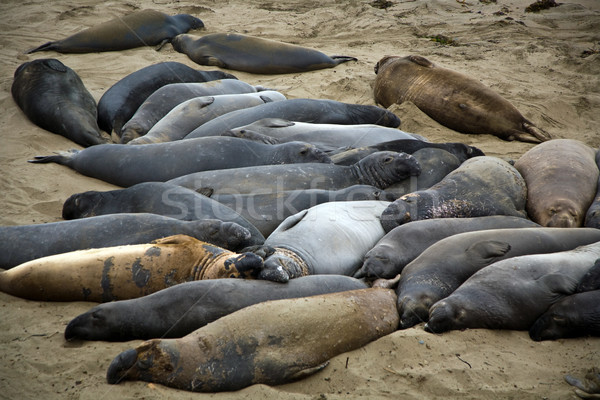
(591, 280)
(157, 198)
(592, 215)
(40, 240)
(53, 97)
(303, 110)
(446, 264)
(481, 186)
(181, 309)
(121, 100)
(379, 169)
(140, 28)
(253, 54)
(126, 165)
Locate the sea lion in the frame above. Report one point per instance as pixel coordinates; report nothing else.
(270, 343)
(307, 110)
(39, 83)
(125, 165)
(592, 216)
(446, 264)
(329, 238)
(179, 310)
(40, 240)
(451, 98)
(512, 293)
(574, 316)
(480, 186)
(125, 272)
(165, 98)
(379, 169)
(266, 211)
(253, 54)
(137, 29)
(190, 114)
(121, 100)
(157, 198)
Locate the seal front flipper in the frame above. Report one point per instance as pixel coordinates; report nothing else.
(251, 135)
(489, 249)
(342, 59)
(538, 133)
(62, 158)
(305, 373)
(45, 47)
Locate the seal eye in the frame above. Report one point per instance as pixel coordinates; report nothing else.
(304, 151)
(388, 160)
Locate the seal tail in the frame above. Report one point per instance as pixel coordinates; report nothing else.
(342, 59)
(45, 47)
(62, 158)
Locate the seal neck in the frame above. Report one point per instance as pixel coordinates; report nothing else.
(368, 174)
(211, 257)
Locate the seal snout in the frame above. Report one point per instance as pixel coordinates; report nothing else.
(120, 366)
(394, 215)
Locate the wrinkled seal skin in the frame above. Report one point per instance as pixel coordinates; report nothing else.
(140, 28)
(446, 264)
(125, 165)
(53, 97)
(562, 178)
(592, 216)
(125, 272)
(513, 293)
(451, 98)
(118, 104)
(177, 311)
(574, 316)
(156, 198)
(267, 210)
(481, 186)
(40, 240)
(406, 242)
(379, 169)
(253, 54)
(167, 97)
(303, 110)
(267, 343)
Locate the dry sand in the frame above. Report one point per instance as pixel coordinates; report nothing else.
(547, 64)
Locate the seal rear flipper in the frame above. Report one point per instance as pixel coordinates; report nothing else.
(48, 46)
(62, 158)
(305, 373)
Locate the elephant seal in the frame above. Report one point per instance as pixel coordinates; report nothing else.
(179, 310)
(379, 169)
(591, 280)
(137, 29)
(190, 114)
(454, 100)
(253, 54)
(39, 83)
(156, 198)
(267, 343)
(125, 165)
(121, 100)
(592, 216)
(446, 264)
(40, 240)
(125, 272)
(329, 238)
(512, 293)
(267, 210)
(589, 386)
(406, 242)
(480, 186)
(574, 316)
(167, 97)
(303, 110)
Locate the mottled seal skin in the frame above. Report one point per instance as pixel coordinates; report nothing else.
(125, 165)
(481, 186)
(302, 110)
(267, 343)
(512, 293)
(404, 243)
(562, 179)
(379, 169)
(179, 310)
(40, 240)
(592, 216)
(253, 54)
(165, 98)
(156, 198)
(125, 272)
(53, 97)
(329, 238)
(446, 264)
(118, 104)
(190, 114)
(591, 280)
(267, 210)
(574, 316)
(451, 98)
(140, 28)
